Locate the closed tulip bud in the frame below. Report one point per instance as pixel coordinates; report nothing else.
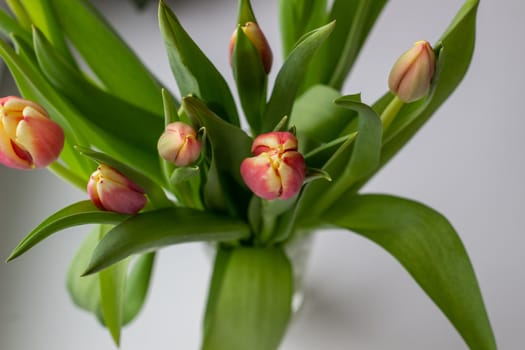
(257, 38)
(412, 74)
(179, 144)
(277, 170)
(109, 190)
(28, 138)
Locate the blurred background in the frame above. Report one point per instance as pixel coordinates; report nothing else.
(466, 162)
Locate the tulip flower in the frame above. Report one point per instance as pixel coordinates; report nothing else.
(179, 144)
(109, 190)
(28, 138)
(257, 38)
(412, 73)
(277, 170)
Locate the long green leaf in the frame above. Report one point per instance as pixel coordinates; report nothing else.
(251, 79)
(84, 291)
(291, 75)
(156, 229)
(115, 116)
(9, 26)
(367, 149)
(112, 291)
(428, 247)
(315, 114)
(80, 213)
(354, 21)
(34, 86)
(44, 18)
(343, 53)
(19, 12)
(194, 72)
(245, 12)
(251, 306)
(137, 286)
(109, 57)
(354, 160)
(297, 17)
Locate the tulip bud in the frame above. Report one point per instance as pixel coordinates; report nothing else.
(179, 144)
(412, 73)
(257, 38)
(28, 138)
(109, 190)
(277, 171)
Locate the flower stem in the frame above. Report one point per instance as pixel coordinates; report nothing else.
(390, 112)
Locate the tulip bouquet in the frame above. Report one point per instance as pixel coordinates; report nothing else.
(161, 170)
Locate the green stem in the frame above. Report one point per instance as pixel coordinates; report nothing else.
(390, 112)
(66, 174)
(158, 198)
(267, 229)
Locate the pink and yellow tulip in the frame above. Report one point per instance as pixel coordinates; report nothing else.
(179, 144)
(277, 170)
(112, 191)
(28, 137)
(412, 73)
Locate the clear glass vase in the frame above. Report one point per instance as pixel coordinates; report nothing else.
(298, 251)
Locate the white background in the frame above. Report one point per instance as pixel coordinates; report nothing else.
(467, 162)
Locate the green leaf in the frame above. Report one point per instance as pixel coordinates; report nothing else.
(251, 79)
(19, 12)
(116, 117)
(231, 143)
(156, 229)
(84, 291)
(316, 115)
(112, 290)
(224, 190)
(248, 70)
(137, 286)
(354, 21)
(298, 17)
(250, 304)
(43, 16)
(367, 149)
(170, 108)
(194, 72)
(355, 159)
(245, 12)
(428, 247)
(291, 74)
(455, 50)
(80, 213)
(34, 86)
(183, 174)
(9, 26)
(108, 56)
